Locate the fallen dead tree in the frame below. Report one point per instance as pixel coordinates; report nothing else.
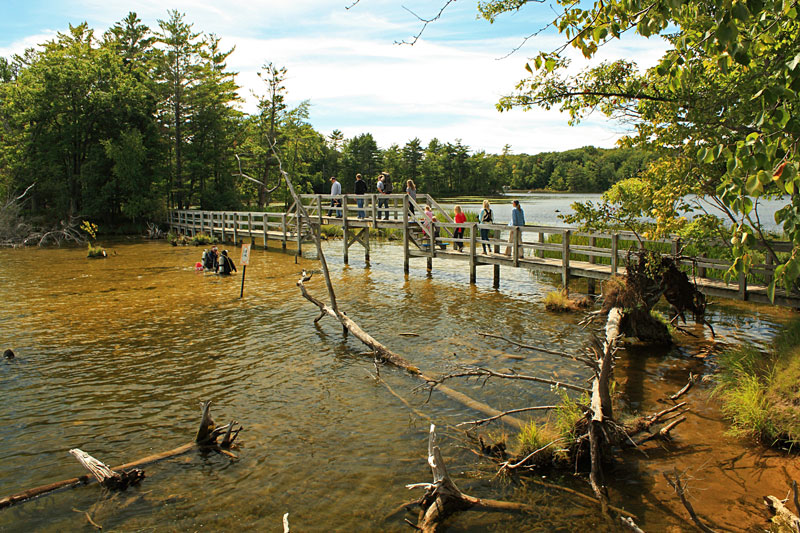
(120, 477)
(442, 498)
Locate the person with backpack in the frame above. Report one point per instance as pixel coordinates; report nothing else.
(486, 217)
(226, 265)
(361, 190)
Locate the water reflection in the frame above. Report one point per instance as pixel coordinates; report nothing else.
(116, 354)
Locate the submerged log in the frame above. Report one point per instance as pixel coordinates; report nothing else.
(209, 443)
(384, 354)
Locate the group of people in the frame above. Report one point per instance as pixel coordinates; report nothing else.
(384, 186)
(215, 262)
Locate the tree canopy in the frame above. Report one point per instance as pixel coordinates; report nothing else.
(719, 108)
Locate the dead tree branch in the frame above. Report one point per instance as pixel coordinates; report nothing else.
(487, 373)
(680, 489)
(207, 430)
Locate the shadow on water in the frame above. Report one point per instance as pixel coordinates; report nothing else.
(116, 354)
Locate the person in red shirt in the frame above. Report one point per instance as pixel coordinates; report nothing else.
(460, 218)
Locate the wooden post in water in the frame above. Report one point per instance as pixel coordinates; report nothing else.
(406, 253)
(517, 234)
(565, 234)
(284, 230)
(319, 209)
(496, 270)
(345, 230)
(590, 283)
(365, 232)
(473, 250)
(540, 253)
(299, 226)
(743, 286)
(432, 245)
(614, 254)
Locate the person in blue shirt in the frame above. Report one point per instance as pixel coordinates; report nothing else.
(517, 219)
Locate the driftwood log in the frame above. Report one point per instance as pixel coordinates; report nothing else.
(206, 438)
(443, 498)
(783, 518)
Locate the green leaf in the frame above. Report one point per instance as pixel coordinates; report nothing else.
(753, 186)
(764, 177)
(702, 153)
(740, 11)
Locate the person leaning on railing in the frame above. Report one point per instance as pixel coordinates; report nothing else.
(517, 219)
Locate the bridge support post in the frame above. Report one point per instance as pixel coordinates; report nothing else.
(265, 221)
(223, 226)
(345, 232)
(590, 283)
(473, 242)
(565, 259)
(284, 230)
(299, 226)
(365, 233)
(406, 255)
(496, 269)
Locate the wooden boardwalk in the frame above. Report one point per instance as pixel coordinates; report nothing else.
(565, 252)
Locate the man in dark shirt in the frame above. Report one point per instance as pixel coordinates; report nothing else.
(361, 189)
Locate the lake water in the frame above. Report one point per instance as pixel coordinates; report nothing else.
(543, 209)
(115, 356)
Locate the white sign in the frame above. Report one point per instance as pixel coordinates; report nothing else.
(245, 255)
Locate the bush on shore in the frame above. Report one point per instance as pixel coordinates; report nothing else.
(760, 392)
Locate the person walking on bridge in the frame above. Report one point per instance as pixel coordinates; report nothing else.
(361, 190)
(336, 190)
(517, 219)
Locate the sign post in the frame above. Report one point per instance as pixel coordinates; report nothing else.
(245, 260)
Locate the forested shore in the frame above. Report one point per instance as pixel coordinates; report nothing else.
(119, 126)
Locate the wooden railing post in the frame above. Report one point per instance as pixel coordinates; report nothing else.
(406, 252)
(319, 209)
(223, 226)
(614, 253)
(540, 253)
(590, 283)
(565, 258)
(517, 237)
(374, 211)
(473, 250)
(265, 227)
(250, 227)
(284, 230)
(235, 228)
(743, 286)
(345, 231)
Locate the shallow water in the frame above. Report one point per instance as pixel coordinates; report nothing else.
(115, 355)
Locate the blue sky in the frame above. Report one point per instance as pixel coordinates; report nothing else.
(347, 64)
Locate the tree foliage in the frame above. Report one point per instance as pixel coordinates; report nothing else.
(719, 108)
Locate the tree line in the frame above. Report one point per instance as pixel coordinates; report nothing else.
(118, 127)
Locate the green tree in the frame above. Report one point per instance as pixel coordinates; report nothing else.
(719, 108)
(178, 70)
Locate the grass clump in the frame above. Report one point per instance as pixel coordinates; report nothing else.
(560, 302)
(201, 239)
(760, 392)
(96, 252)
(535, 437)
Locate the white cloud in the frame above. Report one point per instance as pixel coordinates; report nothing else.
(358, 80)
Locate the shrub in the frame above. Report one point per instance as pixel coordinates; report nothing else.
(560, 302)
(201, 239)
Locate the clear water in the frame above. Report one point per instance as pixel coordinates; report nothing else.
(115, 356)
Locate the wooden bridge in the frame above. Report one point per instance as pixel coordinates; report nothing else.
(565, 252)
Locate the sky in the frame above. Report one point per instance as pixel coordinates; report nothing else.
(344, 58)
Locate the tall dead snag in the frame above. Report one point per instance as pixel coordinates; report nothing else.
(207, 437)
(381, 352)
(442, 498)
